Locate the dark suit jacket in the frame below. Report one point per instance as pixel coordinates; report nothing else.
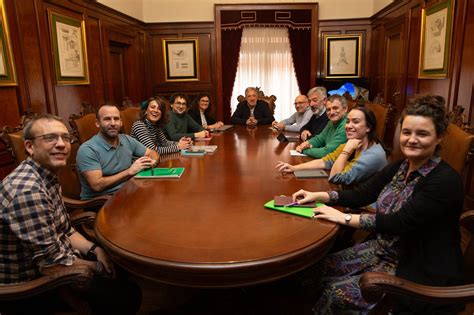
(428, 226)
(316, 124)
(196, 116)
(261, 113)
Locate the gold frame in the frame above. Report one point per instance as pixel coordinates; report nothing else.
(77, 75)
(8, 78)
(436, 67)
(352, 70)
(177, 61)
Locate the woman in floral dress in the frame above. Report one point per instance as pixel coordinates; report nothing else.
(419, 201)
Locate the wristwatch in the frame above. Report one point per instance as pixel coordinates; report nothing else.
(348, 218)
(91, 254)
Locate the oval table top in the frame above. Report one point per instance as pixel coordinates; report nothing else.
(209, 228)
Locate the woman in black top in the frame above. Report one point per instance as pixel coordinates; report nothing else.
(419, 201)
(201, 112)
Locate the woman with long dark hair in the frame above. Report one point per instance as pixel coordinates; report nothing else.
(149, 128)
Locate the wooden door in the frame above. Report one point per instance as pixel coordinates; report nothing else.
(395, 73)
(118, 72)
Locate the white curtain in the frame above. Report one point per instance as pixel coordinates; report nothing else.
(265, 61)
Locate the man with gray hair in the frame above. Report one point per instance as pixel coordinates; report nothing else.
(317, 97)
(252, 111)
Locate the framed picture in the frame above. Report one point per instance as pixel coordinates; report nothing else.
(342, 56)
(68, 40)
(181, 59)
(436, 28)
(7, 64)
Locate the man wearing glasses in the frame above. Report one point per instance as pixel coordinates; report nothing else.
(180, 124)
(35, 232)
(317, 97)
(106, 161)
(300, 118)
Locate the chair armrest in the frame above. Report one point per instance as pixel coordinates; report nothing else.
(95, 203)
(467, 220)
(57, 276)
(83, 218)
(374, 285)
(83, 222)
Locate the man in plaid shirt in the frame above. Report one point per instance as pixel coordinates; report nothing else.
(35, 230)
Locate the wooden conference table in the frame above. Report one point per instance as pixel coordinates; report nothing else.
(209, 228)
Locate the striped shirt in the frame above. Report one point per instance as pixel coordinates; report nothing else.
(34, 226)
(153, 137)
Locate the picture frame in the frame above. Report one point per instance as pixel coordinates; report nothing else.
(181, 59)
(68, 42)
(435, 43)
(342, 56)
(7, 63)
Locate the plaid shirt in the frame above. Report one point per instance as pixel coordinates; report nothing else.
(34, 226)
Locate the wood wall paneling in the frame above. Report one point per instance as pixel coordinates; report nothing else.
(376, 68)
(343, 27)
(31, 38)
(204, 32)
(31, 44)
(412, 52)
(463, 54)
(96, 71)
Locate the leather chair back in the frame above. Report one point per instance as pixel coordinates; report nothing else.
(83, 126)
(456, 146)
(396, 153)
(13, 139)
(381, 114)
(129, 116)
(68, 176)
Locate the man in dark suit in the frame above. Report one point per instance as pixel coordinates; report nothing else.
(252, 111)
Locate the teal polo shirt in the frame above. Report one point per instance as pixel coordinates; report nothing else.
(98, 154)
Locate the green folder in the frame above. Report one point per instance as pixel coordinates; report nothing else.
(160, 172)
(304, 212)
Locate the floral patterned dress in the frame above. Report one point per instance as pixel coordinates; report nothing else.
(340, 272)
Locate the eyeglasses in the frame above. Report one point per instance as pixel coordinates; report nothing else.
(54, 137)
(180, 103)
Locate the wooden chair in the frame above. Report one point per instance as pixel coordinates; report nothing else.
(270, 100)
(83, 126)
(375, 285)
(58, 277)
(129, 116)
(13, 139)
(456, 147)
(381, 112)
